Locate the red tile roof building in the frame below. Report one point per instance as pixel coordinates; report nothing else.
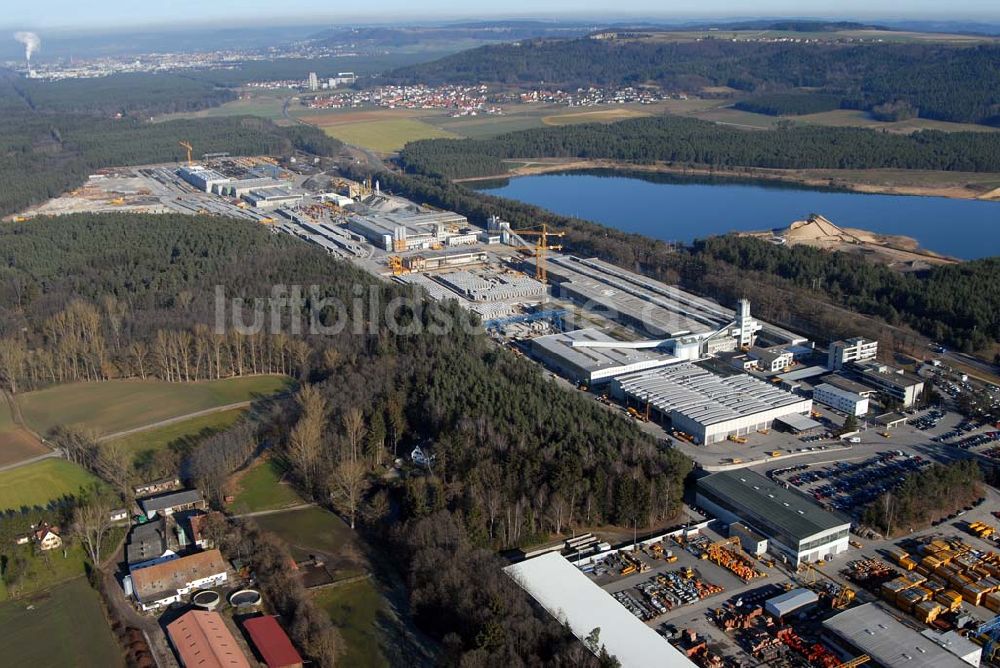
(203, 641)
(272, 642)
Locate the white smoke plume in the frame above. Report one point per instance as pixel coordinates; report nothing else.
(31, 41)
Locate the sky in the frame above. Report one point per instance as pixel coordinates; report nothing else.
(84, 14)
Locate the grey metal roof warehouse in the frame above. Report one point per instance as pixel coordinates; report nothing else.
(704, 396)
(794, 514)
(889, 643)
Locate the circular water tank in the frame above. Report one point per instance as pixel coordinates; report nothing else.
(244, 598)
(207, 599)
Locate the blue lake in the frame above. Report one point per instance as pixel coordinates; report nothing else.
(679, 208)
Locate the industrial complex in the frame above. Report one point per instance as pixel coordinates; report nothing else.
(713, 380)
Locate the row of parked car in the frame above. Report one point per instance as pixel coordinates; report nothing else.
(928, 420)
(847, 487)
(964, 427)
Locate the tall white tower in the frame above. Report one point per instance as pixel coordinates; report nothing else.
(313, 81)
(748, 327)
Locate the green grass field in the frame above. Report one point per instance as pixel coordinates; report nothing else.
(116, 406)
(181, 434)
(354, 610)
(308, 531)
(385, 136)
(264, 104)
(66, 627)
(41, 482)
(260, 488)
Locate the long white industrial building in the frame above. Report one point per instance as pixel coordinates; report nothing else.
(576, 601)
(708, 406)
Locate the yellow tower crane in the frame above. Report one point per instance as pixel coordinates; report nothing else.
(187, 145)
(539, 248)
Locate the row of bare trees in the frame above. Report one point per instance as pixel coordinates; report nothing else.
(85, 343)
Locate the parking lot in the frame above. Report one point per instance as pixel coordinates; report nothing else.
(849, 486)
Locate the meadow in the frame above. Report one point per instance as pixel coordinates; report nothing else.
(114, 406)
(180, 435)
(65, 626)
(261, 487)
(41, 482)
(16, 444)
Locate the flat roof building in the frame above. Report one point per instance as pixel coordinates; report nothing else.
(270, 198)
(868, 629)
(404, 230)
(900, 385)
(655, 307)
(708, 406)
(842, 400)
(592, 365)
(202, 178)
(857, 349)
(576, 601)
(796, 527)
(202, 640)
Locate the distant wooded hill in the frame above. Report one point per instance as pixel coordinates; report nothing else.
(941, 82)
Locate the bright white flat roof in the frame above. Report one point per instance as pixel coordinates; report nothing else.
(574, 599)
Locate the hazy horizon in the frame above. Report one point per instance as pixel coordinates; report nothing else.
(112, 15)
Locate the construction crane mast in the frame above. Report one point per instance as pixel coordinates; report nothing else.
(539, 248)
(189, 148)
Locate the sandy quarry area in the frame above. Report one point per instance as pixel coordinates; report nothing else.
(897, 251)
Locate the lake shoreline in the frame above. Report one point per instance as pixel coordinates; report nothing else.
(814, 178)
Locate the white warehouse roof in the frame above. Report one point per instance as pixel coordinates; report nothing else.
(790, 601)
(596, 362)
(705, 397)
(574, 599)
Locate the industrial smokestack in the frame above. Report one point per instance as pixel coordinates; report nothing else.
(31, 41)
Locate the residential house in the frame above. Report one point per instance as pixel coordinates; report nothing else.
(47, 537)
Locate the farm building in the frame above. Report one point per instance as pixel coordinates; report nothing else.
(164, 583)
(202, 640)
(272, 643)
